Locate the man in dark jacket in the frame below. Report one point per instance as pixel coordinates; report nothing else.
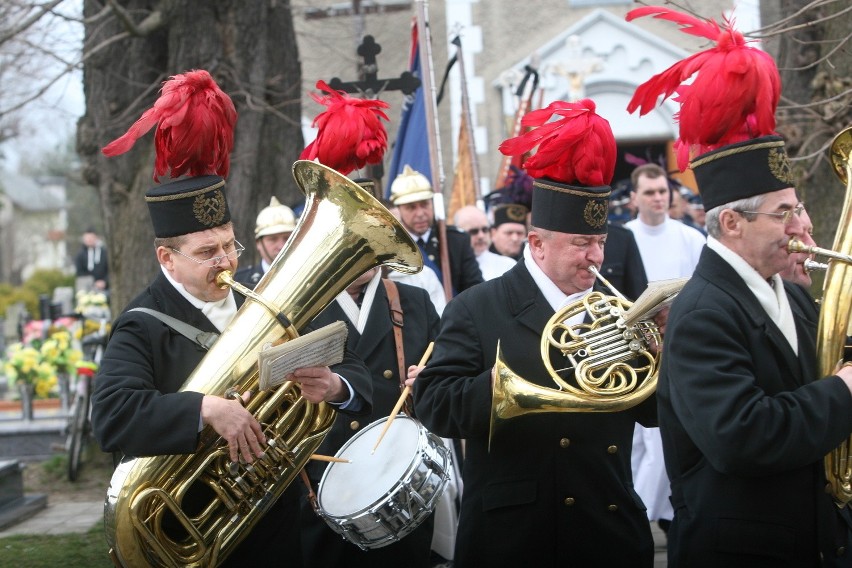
(412, 194)
(365, 309)
(551, 489)
(138, 407)
(273, 227)
(744, 417)
(91, 260)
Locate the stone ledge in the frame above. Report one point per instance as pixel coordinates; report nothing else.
(21, 509)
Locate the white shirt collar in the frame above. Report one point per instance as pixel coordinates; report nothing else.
(772, 297)
(425, 236)
(219, 313)
(358, 316)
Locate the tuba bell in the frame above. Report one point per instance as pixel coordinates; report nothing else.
(605, 364)
(193, 510)
(835, 311)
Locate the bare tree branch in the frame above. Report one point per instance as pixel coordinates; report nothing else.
(150, 24)
(23, 26)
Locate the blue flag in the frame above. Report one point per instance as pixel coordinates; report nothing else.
(412, 139)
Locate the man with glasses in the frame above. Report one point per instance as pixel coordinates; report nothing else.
(474, 222)
(138, 408)
(745, 420)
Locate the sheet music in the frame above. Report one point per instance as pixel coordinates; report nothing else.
(658, 295)
(320, 348)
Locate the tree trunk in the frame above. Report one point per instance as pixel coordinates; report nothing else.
(250, 49)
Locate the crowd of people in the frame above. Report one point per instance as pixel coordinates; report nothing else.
(726, 456)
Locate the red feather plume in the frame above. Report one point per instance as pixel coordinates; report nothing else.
(195, 128)
(577, 149)
(350, 134)
(733, 94)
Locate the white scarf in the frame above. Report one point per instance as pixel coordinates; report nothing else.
(219, 313)
(551, 292)
(771, 296)
(358, 316)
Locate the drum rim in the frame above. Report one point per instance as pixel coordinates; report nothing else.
(422, 434)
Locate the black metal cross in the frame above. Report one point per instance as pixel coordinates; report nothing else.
(371, 86)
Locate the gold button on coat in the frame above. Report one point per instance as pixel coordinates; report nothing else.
(612, 508)
(388, 374)
(354, 425)
(569, 501)
(564, 443)
(612, 449)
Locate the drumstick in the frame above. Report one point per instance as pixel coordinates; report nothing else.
(405, 392)
(322, 458)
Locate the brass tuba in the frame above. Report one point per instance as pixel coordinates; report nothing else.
(607, 357)
(193, 510)
(835, 312)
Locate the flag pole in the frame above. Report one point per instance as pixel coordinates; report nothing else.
(428, 85)
(465, 103)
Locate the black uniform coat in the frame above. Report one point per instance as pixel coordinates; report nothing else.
(100, 271)
(137, 411)
(622, 265)
(464, 270)
(555, 489)
(322, 547)
(745, 427)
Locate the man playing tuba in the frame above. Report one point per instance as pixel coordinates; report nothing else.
(138, 409)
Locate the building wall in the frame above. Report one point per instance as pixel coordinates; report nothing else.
(498, 35)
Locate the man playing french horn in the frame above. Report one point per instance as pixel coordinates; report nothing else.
(553, 489)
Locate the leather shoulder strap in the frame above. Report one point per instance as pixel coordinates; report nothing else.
(397, 323)
(203, 339)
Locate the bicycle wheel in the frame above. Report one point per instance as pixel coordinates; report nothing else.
(78, 434)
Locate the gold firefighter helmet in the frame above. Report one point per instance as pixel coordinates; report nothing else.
(274, 219)
(410, 186)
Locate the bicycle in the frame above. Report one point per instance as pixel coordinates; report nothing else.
(80, 415)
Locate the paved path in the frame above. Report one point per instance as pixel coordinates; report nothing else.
(81, 517)
(60, 518)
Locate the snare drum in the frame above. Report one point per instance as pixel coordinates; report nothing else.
(377, 499)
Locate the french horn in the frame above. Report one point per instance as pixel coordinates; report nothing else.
(193, 510)
(605, 364)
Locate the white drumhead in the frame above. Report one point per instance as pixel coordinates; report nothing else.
(347, 488)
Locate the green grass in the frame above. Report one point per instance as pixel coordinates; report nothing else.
(87, 550)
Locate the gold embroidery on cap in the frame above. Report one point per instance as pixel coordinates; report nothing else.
(209, 211)
(517, 213)
(595, 213)
(779, 165)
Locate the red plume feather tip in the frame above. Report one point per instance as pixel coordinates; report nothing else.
(576, 149)
(734, 91)
(350, 131)
(195, 128)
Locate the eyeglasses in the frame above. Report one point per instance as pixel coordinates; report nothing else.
(214, 261)
(476, 230)
(785, 216)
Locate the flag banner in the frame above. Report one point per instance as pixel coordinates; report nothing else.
(412, 140)
(464, 189)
